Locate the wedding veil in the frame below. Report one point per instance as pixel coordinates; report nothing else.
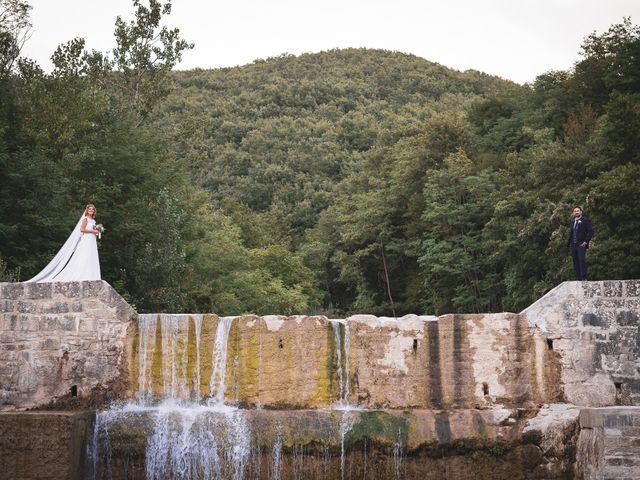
(48, 273)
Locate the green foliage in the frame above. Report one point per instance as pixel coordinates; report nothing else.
(497, 449)
(15, 25)
(230, 278)
(458, 259)
(7, 274)
(344, 181)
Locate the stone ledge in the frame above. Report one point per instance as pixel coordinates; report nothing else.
(49, 333)
(610, 417)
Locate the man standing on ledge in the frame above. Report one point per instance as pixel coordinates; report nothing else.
(580, 233)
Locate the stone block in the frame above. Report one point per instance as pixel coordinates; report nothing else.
(7, 306)
(124, 311)
(627, 318)
(620, 461)
(600, 320)
(76, 307)
(87, 324)
(48, 323)
(26, 307)
(10, 322)
(592, 289)
(612, 288)
(632, 288)
(28, 323)
(595, 391)
(617, 421)
(67, 289)
(626, 431)
(55, 307)
(12, 291)
(38, 291)
(93, 288)
(67, 323)
(50, 344)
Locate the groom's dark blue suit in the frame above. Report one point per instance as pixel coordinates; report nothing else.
(580, 233)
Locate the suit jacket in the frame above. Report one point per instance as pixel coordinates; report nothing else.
(584, 231)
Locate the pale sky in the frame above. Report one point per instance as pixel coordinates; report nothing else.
(515, 39)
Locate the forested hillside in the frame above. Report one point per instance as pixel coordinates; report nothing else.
(337, 182)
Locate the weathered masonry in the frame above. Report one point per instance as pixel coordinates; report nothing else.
(457, 396)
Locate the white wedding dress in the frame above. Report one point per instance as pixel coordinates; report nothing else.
(76, 261)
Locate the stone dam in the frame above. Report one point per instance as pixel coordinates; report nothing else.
(89, 389)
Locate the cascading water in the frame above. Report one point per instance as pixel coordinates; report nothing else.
(217, 384)
(397, 456)
(276, 456)
(346, 423)
(187, 439)
(188, 430)
(342, 344)
(163, 347)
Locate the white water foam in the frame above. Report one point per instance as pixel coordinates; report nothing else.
(187, 440)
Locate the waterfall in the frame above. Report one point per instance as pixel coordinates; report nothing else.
(342, 343)
(347, 421)
(276, 455)
(338, 344)
(198, 442)
(397, 456)
(186, 439)
(99, 448)
(196, 378)
(179, 373)
(145, 323)
(217, 384)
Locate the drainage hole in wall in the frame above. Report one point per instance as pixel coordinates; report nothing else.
(549, 344)
(415, 345)
(73, 390)
(485, 388)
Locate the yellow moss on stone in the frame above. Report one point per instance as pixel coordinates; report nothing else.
(134, 359)
(192, 352)
(243, 357)
(207, 341)
(157, 378)
(326, 387)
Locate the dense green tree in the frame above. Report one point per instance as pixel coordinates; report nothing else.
(345, 181)
(15, 25)
(458, 260)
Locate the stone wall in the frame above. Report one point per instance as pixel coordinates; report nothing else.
(454, 361)
(577, 344)
(456, 396)
(608, 443)
(328, 444)
(44, 446)
(60, 340)
(594, 329)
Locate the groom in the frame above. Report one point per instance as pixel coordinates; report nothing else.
(580, 233)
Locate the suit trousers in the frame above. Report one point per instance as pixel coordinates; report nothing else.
(579, 255)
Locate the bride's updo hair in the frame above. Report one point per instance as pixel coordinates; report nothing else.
(95, 210)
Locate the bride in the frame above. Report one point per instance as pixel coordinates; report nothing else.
(77, 260)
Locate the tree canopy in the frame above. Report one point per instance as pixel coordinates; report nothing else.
(337, 182)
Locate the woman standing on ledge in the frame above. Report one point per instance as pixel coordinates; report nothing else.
(77, 260)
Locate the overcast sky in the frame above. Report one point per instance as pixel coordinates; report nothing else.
(515, 39)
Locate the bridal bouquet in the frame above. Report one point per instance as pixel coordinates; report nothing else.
(100, 229)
